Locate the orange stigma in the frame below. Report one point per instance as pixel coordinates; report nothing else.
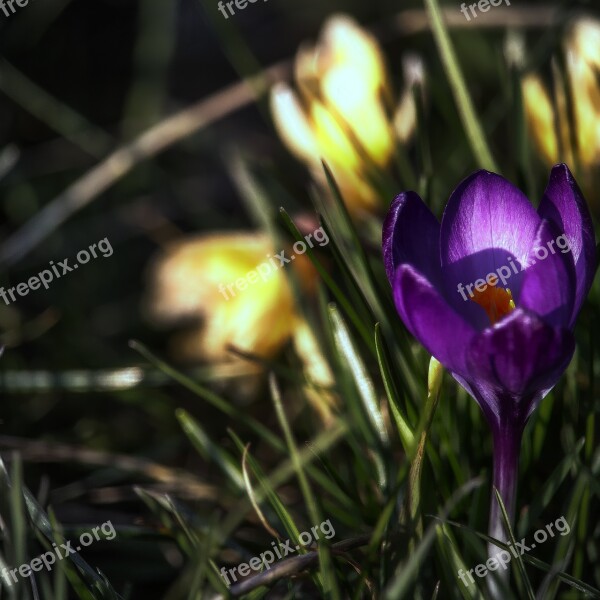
(496, 301)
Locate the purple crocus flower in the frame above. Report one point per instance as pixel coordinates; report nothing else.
(493, 293)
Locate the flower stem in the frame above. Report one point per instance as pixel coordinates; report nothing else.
(507, 443)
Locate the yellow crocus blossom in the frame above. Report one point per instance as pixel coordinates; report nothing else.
(341, 111)
(205, 283)
(573, 138)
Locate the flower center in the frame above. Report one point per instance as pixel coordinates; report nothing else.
(496, 301)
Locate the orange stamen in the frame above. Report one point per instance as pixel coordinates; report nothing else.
(496, 301)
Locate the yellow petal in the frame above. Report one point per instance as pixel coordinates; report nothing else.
(584, 40)
(540, 117)
(344, 42)
(292, 124)
(334, 144)
(583, 63)
(341, 82)
(586, 95)
(196, 278)
(360, 111)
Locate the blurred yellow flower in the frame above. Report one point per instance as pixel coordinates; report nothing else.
(188, 284)
(557, 137)
(341, 110)
(186, 281)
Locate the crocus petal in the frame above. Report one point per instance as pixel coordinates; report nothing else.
(564, 205)
(431, 320)
(292, 124)
(513, 364)
(484, 396)
(548, 287)
(487, 222)
(411, 235)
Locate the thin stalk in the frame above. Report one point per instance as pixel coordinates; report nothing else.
(507, 443)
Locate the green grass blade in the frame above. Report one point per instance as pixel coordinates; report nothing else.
(97, 583)
(573, 513)
(403, 577)
(330, 283)
(391, 389)
(360, 375)
(206, 394)
(269, 493)
(327, 574)
(511, 535)
(535, 562)
(549, 489)
(455, 562)
(473, 128)
(208, 449)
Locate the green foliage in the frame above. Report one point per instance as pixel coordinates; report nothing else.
(400, 470)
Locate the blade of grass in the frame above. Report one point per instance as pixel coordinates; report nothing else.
(391, 389)
(168, 515)
(511, 535)
(360, 374)
(95, 582)
(252, 495)
(208, 449)
(473, 128)
(434, 384)
(455, 562)
(209, 396)
(292, 530)
(322, 442)
(549, 489)
(406, 571)
(356, 259)
(327, 575)
(566, 544)
(354, 291)
(17, 510)
(330, 283)
(541, 428)
(535, 562)
(10, 590)
(281, 474)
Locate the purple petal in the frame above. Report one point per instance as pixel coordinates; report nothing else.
(411, 235)
(564, 205)
(548, 287)
(515, 363)
(431, 320)
(487, 223)
(485, 398)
